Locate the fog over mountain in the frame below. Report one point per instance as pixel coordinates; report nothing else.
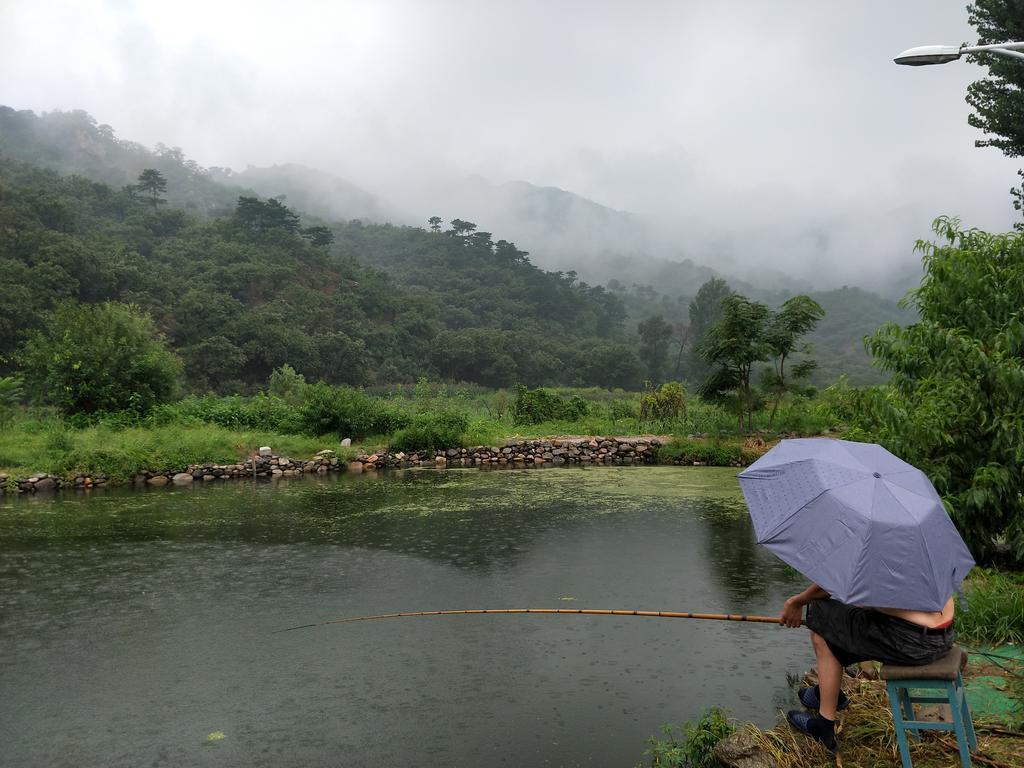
(754, 138)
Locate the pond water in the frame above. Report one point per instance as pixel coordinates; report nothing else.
(141, 628)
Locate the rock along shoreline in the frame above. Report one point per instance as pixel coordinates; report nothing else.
(517, 453)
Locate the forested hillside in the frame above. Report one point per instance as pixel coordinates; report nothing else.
(382, 303)
(241, 295)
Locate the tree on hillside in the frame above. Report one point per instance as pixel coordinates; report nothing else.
(705, 311)
(435, 223)
(681, 337)
(99, 357)
(998, 100)
(783, 333)
(461, 228)
(481, 240)
(509, 254)
(955, 402)
(154, 183)
(259, 216)
(733, 346)
(319, 236)
(655, 335)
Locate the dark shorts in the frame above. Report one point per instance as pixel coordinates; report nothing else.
(860, 634)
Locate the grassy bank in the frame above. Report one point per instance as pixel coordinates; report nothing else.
(300, 421)
(995, 608)
(38, 443)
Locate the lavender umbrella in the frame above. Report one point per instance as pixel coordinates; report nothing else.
(859, 522)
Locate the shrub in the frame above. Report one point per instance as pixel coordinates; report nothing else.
(695, 748)
(952, 406)
(287, 384)
(348, 412)
(540, 405)
(622, 409)
(711, 452)
(577, 408)
(664, 404)
(431, 431)
(263, 412)
(110, 419)
(99, 357)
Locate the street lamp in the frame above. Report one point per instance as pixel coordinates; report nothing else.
(941, 54)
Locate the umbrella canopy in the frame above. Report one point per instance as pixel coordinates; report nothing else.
(862, 524)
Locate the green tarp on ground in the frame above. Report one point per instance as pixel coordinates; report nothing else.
(988, 694)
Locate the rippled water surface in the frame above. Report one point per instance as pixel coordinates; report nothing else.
(141, 628)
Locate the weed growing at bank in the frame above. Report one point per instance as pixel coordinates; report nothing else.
(995, 608)
(693, 748)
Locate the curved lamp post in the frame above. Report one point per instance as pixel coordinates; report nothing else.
(941, 54)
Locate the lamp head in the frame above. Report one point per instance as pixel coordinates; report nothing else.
(928, 54)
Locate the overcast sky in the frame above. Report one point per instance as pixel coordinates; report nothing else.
(783, 127)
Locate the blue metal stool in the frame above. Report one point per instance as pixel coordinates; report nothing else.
(941, 675)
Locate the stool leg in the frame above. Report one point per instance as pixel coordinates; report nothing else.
(965, 712)
(958, 724)
(908, 712)
(896, 705)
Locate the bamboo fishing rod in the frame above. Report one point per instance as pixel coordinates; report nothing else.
(577, 611)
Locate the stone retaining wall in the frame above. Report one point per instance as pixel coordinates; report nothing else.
(587, 450)
(545, 453)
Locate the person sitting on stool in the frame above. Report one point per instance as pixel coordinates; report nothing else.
(845, 634)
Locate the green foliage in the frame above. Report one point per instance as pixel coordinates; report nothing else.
(694, 749)
(735, 344)
(704, 311)
(783, 333)
(431, 431)
(152, 182)
(11, 391)
(655, 335)
(260, 412)
(41, 441)
(995, 601)
(997, 100)
(347, 412)
(260, 217)
(287, 384)
(749, 333)
(539, 405)
(714, 453)
(242, 295)
(955, 403)
(666, 403)
(101, 357)
(623, 409)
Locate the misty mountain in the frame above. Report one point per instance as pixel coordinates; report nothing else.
(74, 143)
(564, 231)
(561, 230)
(318, 193)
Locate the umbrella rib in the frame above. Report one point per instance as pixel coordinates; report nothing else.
(935, 580)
